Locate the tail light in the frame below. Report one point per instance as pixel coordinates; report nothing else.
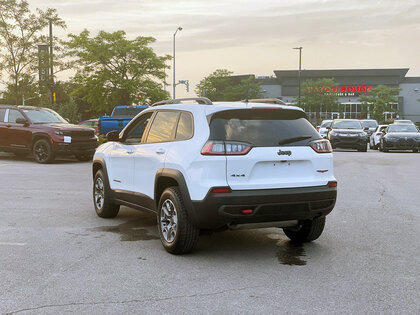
(332, 184)
(225, 148)
(221, 190)
(378, 133)
(321, 146)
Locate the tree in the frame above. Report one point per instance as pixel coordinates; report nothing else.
(19, 35)
(319, 95)
(222, 86)
(113, 70)
(380, 100)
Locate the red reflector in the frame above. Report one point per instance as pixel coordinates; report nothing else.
(247, 211)
(378, 133)
(221, 190)
(332, 184)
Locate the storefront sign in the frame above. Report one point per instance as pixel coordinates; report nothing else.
(344, 90)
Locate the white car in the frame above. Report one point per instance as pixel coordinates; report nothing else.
(323, 131)
(403, 122)
(375, 138)
(206, 166)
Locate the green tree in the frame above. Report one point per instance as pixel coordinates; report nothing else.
(380, 100)
(113, 70)
(20, 32)
(222, 86)
(319, 95)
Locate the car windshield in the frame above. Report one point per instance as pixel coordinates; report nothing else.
(402, 128)
(126, 111)
(403, 122)
(43, 116)
(369, 123)
(325, 123)
(346, 124)
(263, 127)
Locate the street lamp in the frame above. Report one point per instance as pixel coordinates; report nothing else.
(173, 81)
(300, 64)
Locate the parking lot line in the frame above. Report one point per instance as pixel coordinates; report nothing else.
(12, 244)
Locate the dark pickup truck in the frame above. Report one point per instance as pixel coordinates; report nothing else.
(120, 117)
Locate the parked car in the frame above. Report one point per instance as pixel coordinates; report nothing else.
(400, 137)
(371, 124)
(349, 134)
(216, 166)
(44, 133)
(375, 138)
(120, 117)
(323, 128)
(92, 123)
(403, 121)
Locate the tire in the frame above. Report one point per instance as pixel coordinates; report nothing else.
(43, 152)
(177, 233)
(308, 231)
(102, 202)
(84, 158)
(363, 149)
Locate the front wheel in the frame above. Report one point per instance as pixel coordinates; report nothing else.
(42, 151)
(177, 233)
(363, 149)
(104, 206)
(307, 231)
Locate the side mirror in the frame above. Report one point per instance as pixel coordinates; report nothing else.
(328, 128)
(113, 136)
(22, 121)
(366, 129)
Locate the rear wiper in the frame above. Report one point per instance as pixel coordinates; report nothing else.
(289, 140)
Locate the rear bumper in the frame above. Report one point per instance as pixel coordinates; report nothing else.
(268, 205)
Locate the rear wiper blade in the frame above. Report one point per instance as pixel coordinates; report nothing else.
(289, 140)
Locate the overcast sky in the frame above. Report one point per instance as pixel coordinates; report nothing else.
(256, 37)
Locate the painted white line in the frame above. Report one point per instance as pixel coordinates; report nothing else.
(12, 244)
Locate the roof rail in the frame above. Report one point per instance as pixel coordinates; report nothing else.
(265, 100)
(199, 100)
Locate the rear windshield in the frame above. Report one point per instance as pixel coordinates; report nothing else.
(369, 123)
(126, 112)
(263, 127)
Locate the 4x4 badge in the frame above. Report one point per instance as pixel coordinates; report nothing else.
(288, 153)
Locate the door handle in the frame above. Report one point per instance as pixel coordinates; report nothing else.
(160, 151)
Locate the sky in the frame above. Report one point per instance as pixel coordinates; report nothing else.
(257, 37)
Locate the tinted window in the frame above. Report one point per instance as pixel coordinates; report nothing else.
(262, 127)
(126, 112)
(13, 115)
(185, 127)
(135, 134)
(369, 123)
(2, 113)
(163, 127)
(346, 124)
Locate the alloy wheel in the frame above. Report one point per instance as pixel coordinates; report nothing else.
(99, 193)
(41, 152)
(168, 220)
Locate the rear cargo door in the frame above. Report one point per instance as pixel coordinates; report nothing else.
(280, 156)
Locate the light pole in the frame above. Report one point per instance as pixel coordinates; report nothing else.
(173, 81)
(300, 69)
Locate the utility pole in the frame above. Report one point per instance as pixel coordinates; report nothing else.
(173, 79)
(300, 70)
(51, 63)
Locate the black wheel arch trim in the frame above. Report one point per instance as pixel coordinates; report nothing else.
(177, 176)
(39, 135)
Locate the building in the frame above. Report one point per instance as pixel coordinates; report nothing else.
(352, 83)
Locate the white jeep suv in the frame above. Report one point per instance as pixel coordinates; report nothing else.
(206, 166)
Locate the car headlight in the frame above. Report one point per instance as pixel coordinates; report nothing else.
(59, 132)
(362, 135)
(333, 133)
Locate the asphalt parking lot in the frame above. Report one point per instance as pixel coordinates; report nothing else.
(57, 256)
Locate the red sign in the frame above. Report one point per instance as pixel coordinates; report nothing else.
(343, 90)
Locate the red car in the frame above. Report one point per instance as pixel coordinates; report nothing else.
(44, 133)
(91, 123)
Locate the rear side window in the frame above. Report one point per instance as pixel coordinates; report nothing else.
(163, 127)
(2, 113)
(263, 127)
(185, 127)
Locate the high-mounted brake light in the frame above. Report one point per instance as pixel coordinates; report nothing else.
(321, 146)
(225, 148)
(221, 190)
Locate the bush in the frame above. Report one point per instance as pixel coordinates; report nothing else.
(101, 140)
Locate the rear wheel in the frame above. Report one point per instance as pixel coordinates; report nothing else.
(307, 231)
(104, 206)
(177, 233)
(42, 151)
